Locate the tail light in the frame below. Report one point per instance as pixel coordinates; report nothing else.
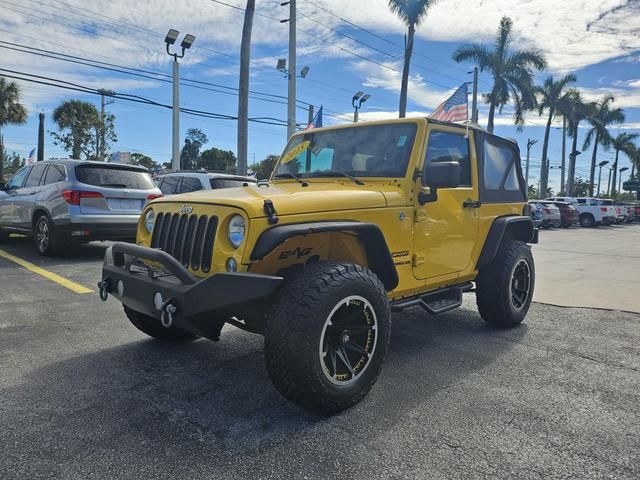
(603, 209)
(546, 210)
(72, 197)
(153, 196)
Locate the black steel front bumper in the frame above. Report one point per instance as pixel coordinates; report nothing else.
(186, 301)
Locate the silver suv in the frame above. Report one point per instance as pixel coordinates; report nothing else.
(193, 181)
(58, 200)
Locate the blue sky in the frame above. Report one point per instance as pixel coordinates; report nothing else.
(595, 39)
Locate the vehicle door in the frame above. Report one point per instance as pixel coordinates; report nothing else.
(26, 197)
(50, 195)
(7, 211)
(446, 227)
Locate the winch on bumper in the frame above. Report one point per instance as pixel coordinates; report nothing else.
(169, 292)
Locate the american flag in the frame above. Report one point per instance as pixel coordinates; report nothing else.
(453, 109)
(317, 120)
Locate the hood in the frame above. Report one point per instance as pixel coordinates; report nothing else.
(291, 198)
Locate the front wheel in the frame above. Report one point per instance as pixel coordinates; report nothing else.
(504, 288)
(327, 336)
(587, 220)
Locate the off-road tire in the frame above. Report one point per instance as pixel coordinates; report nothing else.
(46, 237)
(587, 220)
(296, 328)
(152, 327)
(494, 295)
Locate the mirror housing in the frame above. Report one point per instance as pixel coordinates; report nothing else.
(438, 175)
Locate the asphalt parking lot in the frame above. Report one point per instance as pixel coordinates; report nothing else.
(84, 394)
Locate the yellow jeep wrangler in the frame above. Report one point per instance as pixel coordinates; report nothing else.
(356, 221)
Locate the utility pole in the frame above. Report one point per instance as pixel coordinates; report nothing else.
(564, 146)
(101, 141)
(474, 99)
(530, 143)
(243, 97)
(609, 182)
(41, 137)
(291, 102)
(310, 121)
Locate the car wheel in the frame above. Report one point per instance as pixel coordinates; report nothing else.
(327, 336)
(152, 327)
(587, 220)
(504, 288)
(557, 224)
(48, 241)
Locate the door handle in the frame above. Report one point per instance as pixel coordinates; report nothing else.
(471, 204)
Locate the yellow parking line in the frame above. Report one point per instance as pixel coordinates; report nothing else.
(73, 286)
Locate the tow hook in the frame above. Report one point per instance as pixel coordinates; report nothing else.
(166, 318)
(103, 288)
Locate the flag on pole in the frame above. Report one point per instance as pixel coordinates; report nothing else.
(317, 120)
(32, 157)
(454, 108)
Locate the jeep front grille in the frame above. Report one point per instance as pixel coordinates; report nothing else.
(187, 238)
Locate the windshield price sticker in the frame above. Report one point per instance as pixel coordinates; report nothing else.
(295, 151)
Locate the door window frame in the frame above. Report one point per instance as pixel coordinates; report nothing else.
(500, 195)
(469, 150)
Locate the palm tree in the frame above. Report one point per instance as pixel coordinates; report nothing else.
(551, 98)
(634, 156)
(603, 116)
(412, 13)
(622, 143)
(12, 112)
(512, 72)
(575, 110)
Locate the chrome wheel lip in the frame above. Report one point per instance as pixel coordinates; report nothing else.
(520, 287)
(328, 322)
(42, 235)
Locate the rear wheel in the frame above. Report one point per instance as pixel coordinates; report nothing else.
(48, 241)
(152, 327)
(587, 220)
(504, 288)
(327, 336)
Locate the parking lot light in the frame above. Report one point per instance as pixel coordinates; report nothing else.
(601, 164)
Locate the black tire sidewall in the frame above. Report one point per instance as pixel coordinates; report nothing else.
(50, 244)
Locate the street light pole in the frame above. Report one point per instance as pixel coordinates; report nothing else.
(601, 164)
(291, 102)
(609, 183)
(358, 99)
(623, 169)
(530, 143)
(169, 40)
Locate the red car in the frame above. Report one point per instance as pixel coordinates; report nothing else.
(568, 214)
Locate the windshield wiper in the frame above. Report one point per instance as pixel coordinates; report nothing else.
(292, 175)
(338, 173)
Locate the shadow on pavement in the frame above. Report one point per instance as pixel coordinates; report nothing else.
(180, 406)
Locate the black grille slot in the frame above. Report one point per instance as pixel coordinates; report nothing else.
(198, 240)
(187, 238)
(207, 248)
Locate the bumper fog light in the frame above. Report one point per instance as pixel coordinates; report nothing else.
(232, 265)
(120, 288)
(158, 301)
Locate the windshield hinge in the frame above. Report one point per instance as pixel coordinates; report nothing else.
(270, 210)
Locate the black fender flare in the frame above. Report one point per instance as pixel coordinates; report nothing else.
(376, 249)
(521, 228)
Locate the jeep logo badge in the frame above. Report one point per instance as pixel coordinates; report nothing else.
(186, 209)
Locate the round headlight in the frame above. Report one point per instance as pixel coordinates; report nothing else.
(149, 219)
(236, 230)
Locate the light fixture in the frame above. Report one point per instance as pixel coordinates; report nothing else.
(282, 64)
(357, 96)
(171, 37)
(188, 41)
(602, 164)
(304, 72)
(365, 98)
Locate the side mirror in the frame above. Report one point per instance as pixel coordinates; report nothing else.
(438, 175)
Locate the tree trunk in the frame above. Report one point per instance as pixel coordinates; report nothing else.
(592, 176)
(243, 98)
(405, 70)
(1, 157)
(544, 170)
(614, 176)
(492, 112)
(572, 163)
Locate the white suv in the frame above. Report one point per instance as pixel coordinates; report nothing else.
(192, 181)
(591, 211)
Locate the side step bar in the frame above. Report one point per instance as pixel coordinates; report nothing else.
(436, 302)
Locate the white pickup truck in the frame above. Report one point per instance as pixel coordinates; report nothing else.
(591, 211)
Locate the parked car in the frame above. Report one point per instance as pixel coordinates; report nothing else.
(625, 210)
(568, 214)
(616, 211)
(535, 212)
(56, 201)
(193, 181)
(591, 211)
(550, 214)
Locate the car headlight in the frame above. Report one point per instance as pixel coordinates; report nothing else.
(149, 220)
(236, 230)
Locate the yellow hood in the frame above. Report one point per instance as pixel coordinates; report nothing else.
(291, 198)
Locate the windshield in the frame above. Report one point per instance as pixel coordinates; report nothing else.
(371, 151)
